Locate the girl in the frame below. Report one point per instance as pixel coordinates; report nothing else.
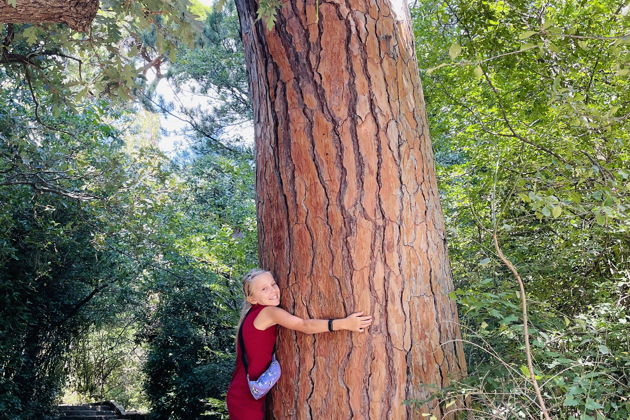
(259, 320)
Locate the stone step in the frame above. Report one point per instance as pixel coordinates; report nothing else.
(72, 408)
(107, 410)
(84, 407)
(88, 417)
(87, 412)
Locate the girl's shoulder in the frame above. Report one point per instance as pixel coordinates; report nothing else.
(262, 320)
(271, 311)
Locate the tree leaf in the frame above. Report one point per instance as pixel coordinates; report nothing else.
(455, 50)
(527, 46)
(525, 370)
(600, 219)
(556, 210)
(526, 34)
(548, 23)
(30, 34)
(591, 404)
(553, 48)
(478, 72)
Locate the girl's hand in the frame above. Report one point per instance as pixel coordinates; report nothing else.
(356, 322)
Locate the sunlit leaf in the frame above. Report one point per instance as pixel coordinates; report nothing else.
(455, 50)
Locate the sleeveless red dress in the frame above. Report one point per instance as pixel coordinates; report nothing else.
(259, 349)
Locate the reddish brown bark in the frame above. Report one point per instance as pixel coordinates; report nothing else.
(77, 14)
(348, 209)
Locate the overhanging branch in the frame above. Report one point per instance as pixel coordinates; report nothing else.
(77, 14)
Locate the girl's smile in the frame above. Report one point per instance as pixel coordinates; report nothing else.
(264, 291)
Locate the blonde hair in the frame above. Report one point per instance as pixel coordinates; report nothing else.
(246, 284)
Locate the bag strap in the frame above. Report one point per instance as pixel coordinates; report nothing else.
(242, 342)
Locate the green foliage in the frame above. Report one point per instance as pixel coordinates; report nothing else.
(107, 247)
(582, 363)
(124, 41)
(194, 306)
(208, 237)
(52, 273)
(104, 364)
(190, 245)
(528, 109)
(267, 10)
(108, 243)
(189, 336)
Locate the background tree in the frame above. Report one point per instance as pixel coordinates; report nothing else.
(349, 216)
(528, 104)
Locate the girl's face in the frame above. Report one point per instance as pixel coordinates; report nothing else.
(263, 290)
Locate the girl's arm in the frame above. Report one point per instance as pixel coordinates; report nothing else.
(272, 315)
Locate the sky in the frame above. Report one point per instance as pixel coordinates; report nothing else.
(173, 138)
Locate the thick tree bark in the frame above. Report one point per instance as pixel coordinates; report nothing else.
(77, 14)
(348, 209)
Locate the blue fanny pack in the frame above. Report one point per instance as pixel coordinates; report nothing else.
(260, 387)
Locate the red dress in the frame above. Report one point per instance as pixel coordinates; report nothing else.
(259, 349)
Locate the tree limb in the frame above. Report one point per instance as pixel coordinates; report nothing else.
(523, 298)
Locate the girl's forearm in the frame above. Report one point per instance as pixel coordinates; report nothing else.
(315, 326)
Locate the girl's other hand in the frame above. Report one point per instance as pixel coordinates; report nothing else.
(356, 322)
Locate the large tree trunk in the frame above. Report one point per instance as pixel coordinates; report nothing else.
(348, 209)
(77, 14)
